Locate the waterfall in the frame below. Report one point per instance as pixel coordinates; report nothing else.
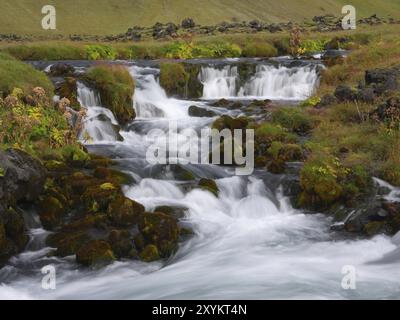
(150, 99)
(268, 82)
(99, 124)
(219, 83)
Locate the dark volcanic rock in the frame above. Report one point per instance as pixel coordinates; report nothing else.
(383, 79)
(61, 70)
(195, 111)
(188, 23)
(23, 177)
(345, 93)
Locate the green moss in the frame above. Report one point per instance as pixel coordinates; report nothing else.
(100, 52)
(311, 102)
(116, 88)
(67, 243)
(16, 74)
(257, 49)
(124, 212)
(320, 180)
(150, 253)
(293, 119)
(95, 252)
(174, 78)
(51, 211)
(160, 230)
(209, 185)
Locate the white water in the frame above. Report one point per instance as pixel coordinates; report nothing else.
(94, 129)
(249, 242)
(269, 82)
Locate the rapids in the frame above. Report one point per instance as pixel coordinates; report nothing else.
(249, 243)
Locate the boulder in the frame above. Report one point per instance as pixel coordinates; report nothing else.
(22, 177)
(383, 79)
(95, 252)
(209, 185)
(195, 111)
(61, 69)
(345, 93)
(188, 23)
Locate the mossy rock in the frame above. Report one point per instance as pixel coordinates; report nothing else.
(122, 244)
(51, 211)
(95, 252)
(174, 79)
(3, 239)
(56, 166)
(373, 228)
(182, 174)
(98, 197)
(194, 86)
(290, 152)
(124, 212)
(209, 185)
(113, 176)
(276, 166)
(14, 226)
(68, 90)
(176, 212)
(161, 230)
(150, 253)
(97, 221)
(116, 88)
(227, 122)
(67, 243)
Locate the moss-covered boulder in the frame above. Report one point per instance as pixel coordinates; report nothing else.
(209, 185)
(174, 79)
(112, 175)
(227, 122)
(150, 253)
(51, 211)
(160, 230)
(116, 88)
(122, 244)
(68, 89)
(67, 243)
(95, 252)
(124, 212)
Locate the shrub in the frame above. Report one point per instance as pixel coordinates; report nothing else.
(100, 52)
(255, 49)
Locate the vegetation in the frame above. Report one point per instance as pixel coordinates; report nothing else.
(16, 74)
(24, 16)
(116, 88)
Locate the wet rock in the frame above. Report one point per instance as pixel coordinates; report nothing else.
(68, 89)
(176, 212)
(61, 69)
(67, 243)
(180, 173)
(122, 244)
(160, 230)
(227, 122)
(209, 185)
(124, 212)
(22, 177)
(195, 111)
(150, 253)
(51, 211)
(95, 252)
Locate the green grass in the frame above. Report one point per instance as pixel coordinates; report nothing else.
(16, 74)
(111, 17)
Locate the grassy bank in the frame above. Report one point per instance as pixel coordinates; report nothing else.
(262, 44)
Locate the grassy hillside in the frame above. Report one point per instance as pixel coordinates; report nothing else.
(115, 16)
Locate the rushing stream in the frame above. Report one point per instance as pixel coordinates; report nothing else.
(249, 243)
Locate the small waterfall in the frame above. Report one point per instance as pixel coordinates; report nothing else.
(151, 101)
(219, 83)
(281, 83)
(100, 124)
(268, 82)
